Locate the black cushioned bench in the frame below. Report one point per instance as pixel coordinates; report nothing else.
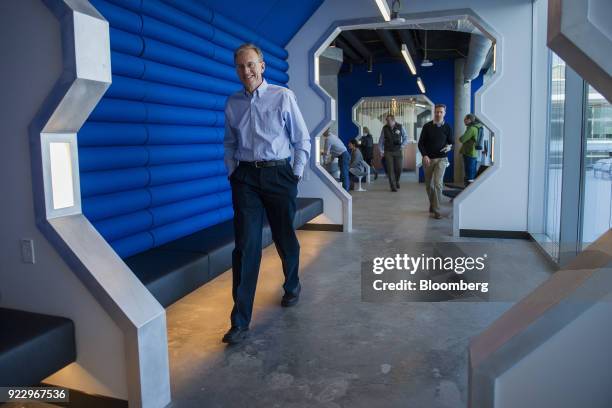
(175, 269)
(33, 346)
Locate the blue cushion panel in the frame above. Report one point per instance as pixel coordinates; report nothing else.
(111, 205)
(111, 134)
(175, 134)
(125, 225)
(133, 244)
(202, 12)
(169, 232)
(106, 182)
(169, 193)
(187, 208)
(107, 158)
(173, 173)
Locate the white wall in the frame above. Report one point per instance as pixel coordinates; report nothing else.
(506, 100)
(48, 286)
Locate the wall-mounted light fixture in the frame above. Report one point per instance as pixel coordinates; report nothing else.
(421, 84)
(380, 82)
(408, 59)
(384, 9)
(62, 188)
(494, 57)
(370, 64)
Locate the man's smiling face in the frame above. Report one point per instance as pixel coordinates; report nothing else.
(250, 69)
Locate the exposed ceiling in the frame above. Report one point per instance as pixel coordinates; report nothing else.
(384, 45)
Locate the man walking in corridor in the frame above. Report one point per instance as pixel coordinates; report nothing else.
(392, 140)
(434, 144)
(262, 123)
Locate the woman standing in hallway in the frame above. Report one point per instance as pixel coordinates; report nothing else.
(468, 149)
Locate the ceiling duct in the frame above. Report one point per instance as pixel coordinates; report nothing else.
(477, 56)
(348, 51)
(386, 36)
(352, 39)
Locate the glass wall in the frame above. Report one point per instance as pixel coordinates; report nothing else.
(554, 162)
(597, 162)
(578, 186)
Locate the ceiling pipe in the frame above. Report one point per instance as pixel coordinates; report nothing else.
(352, 39)
(477, 56)
(407, 39)
(386, 36)
(348, 51)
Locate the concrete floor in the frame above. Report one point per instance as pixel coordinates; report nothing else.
(334, 350)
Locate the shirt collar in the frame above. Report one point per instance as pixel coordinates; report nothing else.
(440, 124)
(261, 89)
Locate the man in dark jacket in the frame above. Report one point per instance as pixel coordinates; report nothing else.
(367, 150)
(434, 144)
(392, 140)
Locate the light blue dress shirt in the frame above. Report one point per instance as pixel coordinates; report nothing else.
(334, 146)
(381, 140)
(265, 125)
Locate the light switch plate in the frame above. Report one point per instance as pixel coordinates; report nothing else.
(27, 251)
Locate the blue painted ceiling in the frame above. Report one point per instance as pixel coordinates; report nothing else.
(276, 20)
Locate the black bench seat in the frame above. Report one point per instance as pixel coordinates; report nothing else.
(175, 269)
(33, 346)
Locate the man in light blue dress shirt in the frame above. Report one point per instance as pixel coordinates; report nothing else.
(335, 148)
(262, 125)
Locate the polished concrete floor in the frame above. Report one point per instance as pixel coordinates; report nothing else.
(333, 349)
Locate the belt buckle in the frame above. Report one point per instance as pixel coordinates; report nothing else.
(257, 166)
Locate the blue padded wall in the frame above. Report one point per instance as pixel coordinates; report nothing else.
(151, 153)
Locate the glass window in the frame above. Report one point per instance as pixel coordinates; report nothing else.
(555, 152)
(597, 178)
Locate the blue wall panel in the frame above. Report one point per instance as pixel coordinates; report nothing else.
(151, 152)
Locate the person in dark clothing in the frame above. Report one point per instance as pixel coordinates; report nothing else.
(434, 144)
(367, 150)
(392, 139)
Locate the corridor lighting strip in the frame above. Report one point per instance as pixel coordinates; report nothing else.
(421, 84)
(384, 9)
(408, 59)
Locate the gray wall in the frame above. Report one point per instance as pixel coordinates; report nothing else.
(571, 369)
(30, 45)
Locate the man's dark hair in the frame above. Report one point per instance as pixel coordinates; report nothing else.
(390, 115)
(354, 142)
(440, 105)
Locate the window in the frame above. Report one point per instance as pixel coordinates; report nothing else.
(554, 163)
(597, 164)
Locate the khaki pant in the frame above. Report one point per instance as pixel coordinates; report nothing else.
(434, 181)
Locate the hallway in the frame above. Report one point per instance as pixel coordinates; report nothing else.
(333, 350)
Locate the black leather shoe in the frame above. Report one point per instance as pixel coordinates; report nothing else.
(291, 299)
(397, 186)
(235, 335)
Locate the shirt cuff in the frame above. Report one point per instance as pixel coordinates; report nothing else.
(298, 169)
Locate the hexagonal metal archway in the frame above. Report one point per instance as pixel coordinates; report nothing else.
(424, 19)
(57, 202)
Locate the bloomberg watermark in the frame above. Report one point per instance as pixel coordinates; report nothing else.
(437, 272)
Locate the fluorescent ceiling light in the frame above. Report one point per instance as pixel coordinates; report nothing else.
(384, 9)
(408, 59)
(421, 84)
